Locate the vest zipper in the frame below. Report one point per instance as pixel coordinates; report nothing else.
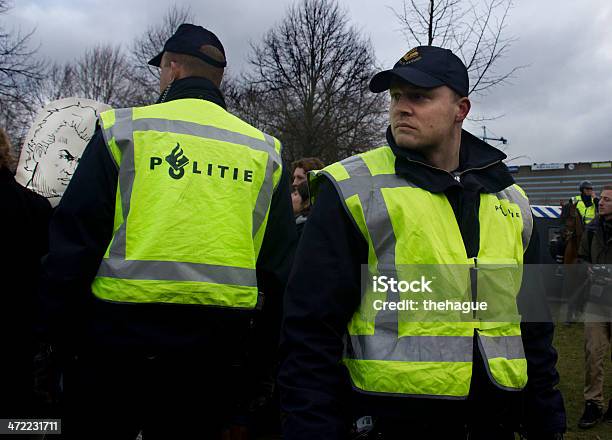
(474, 284)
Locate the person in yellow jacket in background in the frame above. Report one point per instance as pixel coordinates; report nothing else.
(177, 218)
(586, 202)
(436, 199)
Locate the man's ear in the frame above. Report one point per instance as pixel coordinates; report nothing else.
(463, 108)
(176, 71)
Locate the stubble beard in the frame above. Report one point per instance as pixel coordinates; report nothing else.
(414, 144)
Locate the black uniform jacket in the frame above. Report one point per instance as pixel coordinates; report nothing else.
(79, 235)
(323, 293)
(24, 222)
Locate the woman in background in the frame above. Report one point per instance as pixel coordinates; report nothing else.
(300, 199)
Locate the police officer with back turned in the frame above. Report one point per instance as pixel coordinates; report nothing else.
(178, 215)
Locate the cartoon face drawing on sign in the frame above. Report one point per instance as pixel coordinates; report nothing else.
(54, 146)
(51, 162)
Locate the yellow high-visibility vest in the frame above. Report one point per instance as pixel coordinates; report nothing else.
(587, 214)
(193, 196)
(411, 232)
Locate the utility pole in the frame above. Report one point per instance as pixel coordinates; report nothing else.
(486, 138)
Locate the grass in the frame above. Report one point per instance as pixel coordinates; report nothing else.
(569, 342)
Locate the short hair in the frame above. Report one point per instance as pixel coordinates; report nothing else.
(307, 164)
(607, 188)
(6, 156)
(195, 66)
(457, 95)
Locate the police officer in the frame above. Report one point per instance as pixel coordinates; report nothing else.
(586, 204)
(435, 196)
(178, 215)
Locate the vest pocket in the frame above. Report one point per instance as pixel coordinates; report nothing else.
(499, 331)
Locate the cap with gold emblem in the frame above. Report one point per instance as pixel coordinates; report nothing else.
(428, 67)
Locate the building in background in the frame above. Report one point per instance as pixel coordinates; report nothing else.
(554, 183)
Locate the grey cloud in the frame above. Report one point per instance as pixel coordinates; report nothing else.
(555, 110)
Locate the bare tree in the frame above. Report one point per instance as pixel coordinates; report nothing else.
(309, 84)
(59, 82)
(16, 60)
(103, 74)
(246, 100)
(20, 72)
(149, 44)
(472, 29)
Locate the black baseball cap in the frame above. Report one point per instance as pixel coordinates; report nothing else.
(428, 67)
(188, 39)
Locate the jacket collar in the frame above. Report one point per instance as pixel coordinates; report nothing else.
(599, 225)
(193, 87)
(480, 167)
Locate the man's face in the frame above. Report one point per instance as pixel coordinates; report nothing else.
(424, 118)
(587, 192)
(299, 176)
(605, 204)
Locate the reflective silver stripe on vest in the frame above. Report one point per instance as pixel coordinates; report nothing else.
(411, 348)
(124, 139)
(368, 188)
(206, 131)
(357, 184)
(514, 195)
(116, 266)
(508, 347)
(380, 228)
(177, 271)
(431, 348)
(264, 198)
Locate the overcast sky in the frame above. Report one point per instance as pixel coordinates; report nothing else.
(558, 109)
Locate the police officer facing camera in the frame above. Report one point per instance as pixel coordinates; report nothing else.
(178, 214)
(434, 195)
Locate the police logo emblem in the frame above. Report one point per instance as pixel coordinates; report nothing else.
(177, 161)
